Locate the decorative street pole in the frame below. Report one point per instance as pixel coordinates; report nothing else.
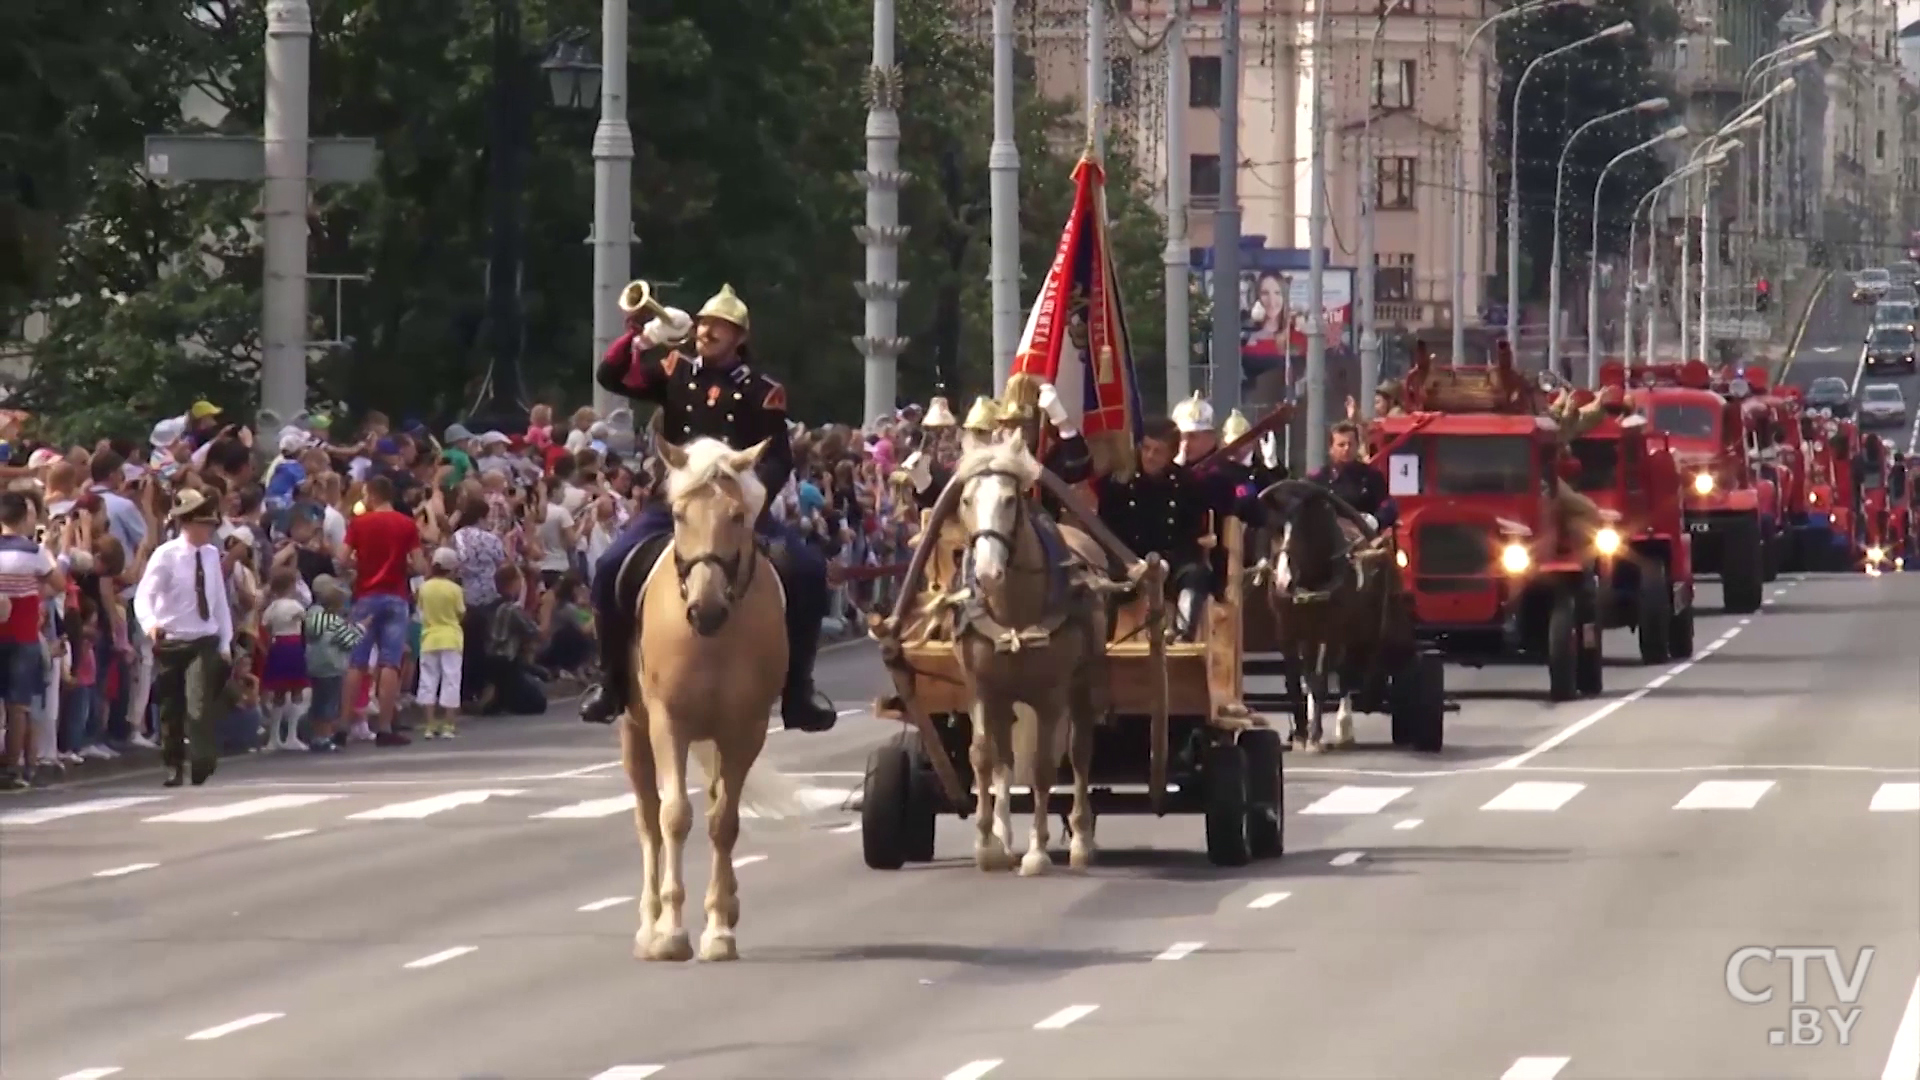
(1226, 220)
(1369, 190)
(1176, 258)
(882, 234)
(612, 194)
(1003, 167)
(1317, 412)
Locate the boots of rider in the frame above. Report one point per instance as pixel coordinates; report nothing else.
(606, 700)
(803, 573)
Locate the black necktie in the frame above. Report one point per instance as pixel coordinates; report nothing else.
(200, 583)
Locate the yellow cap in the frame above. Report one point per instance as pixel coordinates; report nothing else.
(725, 306)
(203, 409)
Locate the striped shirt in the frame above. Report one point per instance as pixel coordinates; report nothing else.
(24, 566)
(330, 642)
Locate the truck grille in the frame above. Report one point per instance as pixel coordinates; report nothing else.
(1452, 549)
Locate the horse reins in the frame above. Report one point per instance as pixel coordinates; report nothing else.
(1005, 540)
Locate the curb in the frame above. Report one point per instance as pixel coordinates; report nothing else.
(1806, 319)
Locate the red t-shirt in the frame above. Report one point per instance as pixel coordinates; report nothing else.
(381, 541)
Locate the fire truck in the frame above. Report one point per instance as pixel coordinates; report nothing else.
(1494, 569)
(1875, 546)
(1831, 519)
(1778, 447)
(1731, 513)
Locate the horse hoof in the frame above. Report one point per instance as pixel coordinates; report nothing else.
(991, 859)
(673, 947)
(718, 948)
(1080, 856)
(1312, 748)
(1299, 744)
(1035, 862)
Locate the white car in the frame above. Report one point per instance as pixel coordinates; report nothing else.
(1882, 405)
(1870, 285)
(1898, 313)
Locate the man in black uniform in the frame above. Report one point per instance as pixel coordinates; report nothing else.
(710, 392)
(1162, 509)
(1360, 485)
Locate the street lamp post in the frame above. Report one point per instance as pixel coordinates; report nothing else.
(1652, 282)
(1750, 117)
(1678, 131)
(1657, 104)
(1369, 331)
(1458, 271)
(1513, 170)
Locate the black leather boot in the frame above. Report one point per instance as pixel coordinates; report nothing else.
(801, 707)
(605, 701)
(176, 775)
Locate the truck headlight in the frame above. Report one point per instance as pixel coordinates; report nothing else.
(1703, 483)
(1875, 555)
(1514, 559)
(1400, 559)
(1607, 541)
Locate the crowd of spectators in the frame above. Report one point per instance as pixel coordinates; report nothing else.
(369, 570)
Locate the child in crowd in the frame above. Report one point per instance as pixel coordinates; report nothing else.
(330, 640)
(443, 608)
(284, 679)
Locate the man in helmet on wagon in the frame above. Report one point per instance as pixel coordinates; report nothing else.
(709, 390)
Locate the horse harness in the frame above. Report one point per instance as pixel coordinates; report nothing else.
(974, 618)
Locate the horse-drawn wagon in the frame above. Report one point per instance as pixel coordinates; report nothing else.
(1160, 727)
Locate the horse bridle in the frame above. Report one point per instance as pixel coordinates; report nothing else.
(1005, 540)
(733, 586)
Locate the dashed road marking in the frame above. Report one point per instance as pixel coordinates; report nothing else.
(1408, 824)
(1724, 795)
(602, 905)
(592, 808)
(1267, 900)
(431, 805)
(1535, 795)
(201, 815)
(288, 835)
(1903, 1060)
(1348, 858)
(440, 957)
(748, 860)
(1349, 799)
(1535, 1068)
(123, 871)
(40, 815)
(973, 1070)
(629, 1072)
(1893, 796)
(1180, 950)
(96, 1073)
(1065, 1016)
(231, 1026)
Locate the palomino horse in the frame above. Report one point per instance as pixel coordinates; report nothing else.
(1320, 595)
(1031, 644)
(710, 658)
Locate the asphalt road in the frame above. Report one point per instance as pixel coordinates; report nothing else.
(1555, 896)
(1834, 345)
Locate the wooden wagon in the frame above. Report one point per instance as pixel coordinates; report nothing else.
(1204, 753)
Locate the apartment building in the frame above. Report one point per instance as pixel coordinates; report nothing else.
(1414, 95)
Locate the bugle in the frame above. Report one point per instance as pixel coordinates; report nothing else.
(638, 298)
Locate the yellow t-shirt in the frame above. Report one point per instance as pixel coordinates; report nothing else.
(442, 606)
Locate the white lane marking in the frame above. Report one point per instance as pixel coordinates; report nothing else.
(592, 808)
(202, 815)
(1724, 795)
(972, 1070)
(1180, 950)
(1826, 350)
(1599, 714)
(427, 807)
(1535, 1068)
(602, 905)
(42, 814)
(1535, 795)
(1748, 621)
(584, 770)
(1349, 799)
(1065, 1016)
(851, 826)
(1348, 858)
(92, 1074)
(1896, 797)
(629, 1072)
(1903, 1060)
(440, 957)
(122, 871)
(1267, 900)
(1859, 372)
(288, 835)
(748, 860)
(1410, 823)
(232, 1026)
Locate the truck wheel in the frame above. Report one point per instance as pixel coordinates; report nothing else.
(1266, 799)
(1741, 573)
(1681, 642)
(1656, 615)
(1225, 770)
(1563, 649)
(896, 817)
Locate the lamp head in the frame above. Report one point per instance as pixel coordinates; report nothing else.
(1658, 104)
(1677, 131)
(1622, 27)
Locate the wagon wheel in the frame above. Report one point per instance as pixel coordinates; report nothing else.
(1153, 580)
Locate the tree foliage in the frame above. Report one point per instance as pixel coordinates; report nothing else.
(1565, 93)
(748, 131)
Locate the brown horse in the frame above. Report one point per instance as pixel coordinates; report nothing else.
(1031, 644)
(709, 658)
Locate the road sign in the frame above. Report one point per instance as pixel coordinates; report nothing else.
(189, 158)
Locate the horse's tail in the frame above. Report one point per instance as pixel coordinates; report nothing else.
(767, 794)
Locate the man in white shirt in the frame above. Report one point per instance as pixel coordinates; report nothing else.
(181, 603)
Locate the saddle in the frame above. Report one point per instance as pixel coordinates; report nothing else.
(651, 552)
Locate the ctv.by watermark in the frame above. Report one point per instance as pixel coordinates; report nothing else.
(1753, 976)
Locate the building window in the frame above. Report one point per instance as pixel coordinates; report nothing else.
(1407, 7)
(1203, 176)
(1203, 82)
(1879, 146)
(1393, 183)
(1393, 277)
(1120, 82)
(1206, 5)
(1393, 84)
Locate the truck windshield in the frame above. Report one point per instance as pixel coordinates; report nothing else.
(1685, 421)
(1599, 464)
(1483, 465)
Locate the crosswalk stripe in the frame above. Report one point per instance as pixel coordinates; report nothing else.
(1896, 797)
(1724, 795)
(1547, 795)
(427, 807)
(40, 815)
(593, 808)
(1349, 799)
(245, 808)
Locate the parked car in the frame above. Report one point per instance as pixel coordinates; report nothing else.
(1871, 284)
(1882, 405)
(1831, 393)
(1904, 273)
(1897, 313)
(1890, 347)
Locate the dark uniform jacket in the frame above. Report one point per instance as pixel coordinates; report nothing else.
(1360, 485)
(735, 404)
(1165, 513)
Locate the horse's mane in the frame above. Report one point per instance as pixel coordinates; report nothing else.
(1007, 457)
(707, 463)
